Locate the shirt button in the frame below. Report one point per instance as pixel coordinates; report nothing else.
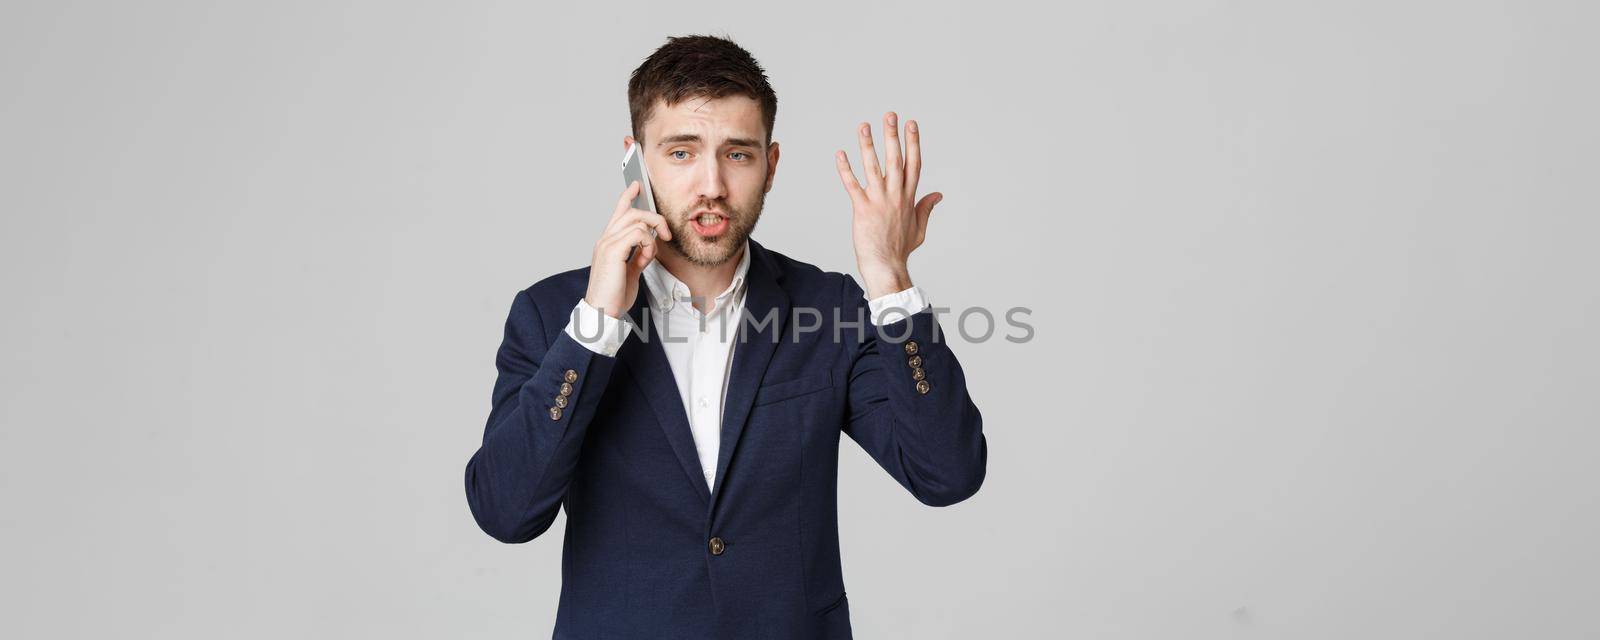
(717, 546)
(702, 402)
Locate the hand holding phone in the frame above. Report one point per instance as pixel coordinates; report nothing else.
(618, 258)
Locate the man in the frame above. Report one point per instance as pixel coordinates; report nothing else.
(686, 405)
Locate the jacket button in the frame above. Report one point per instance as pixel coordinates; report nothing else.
(923, 386)
(555, 413)
(566, 388)
(572, 376)
(911, 347)
(561, 401)
(717, 546)
(914, 361)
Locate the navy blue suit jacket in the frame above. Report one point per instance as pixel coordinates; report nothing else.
(639, 560)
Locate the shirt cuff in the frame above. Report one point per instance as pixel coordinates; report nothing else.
(599, 332)
(894, 307)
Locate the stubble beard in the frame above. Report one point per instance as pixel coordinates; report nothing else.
(710, 252)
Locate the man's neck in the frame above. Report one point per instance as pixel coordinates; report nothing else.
(705, 283)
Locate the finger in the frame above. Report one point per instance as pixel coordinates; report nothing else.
(647, 243)
(913, 157)
(640, 236)
(615, 244)
(632, 241)
(642, 258)
(869, 158)
(639, 215)
(847, 176)
(624, 202)
(895, 171)
(650, 218)
(629, 231)
(924, 209)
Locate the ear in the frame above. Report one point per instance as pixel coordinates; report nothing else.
(627, 141)
(772, 164)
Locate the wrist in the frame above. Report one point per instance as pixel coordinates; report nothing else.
(882, 280)
(612, 311)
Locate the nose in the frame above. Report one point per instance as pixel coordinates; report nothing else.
(708, 182)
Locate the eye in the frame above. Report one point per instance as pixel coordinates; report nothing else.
(740, 153)
(675, 152)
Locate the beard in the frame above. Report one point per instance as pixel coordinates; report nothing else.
(710, 252)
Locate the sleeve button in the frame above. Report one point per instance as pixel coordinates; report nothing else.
(561, 402)
(555, 413)
(911, 347)
(566, 388)
(923, 386)
(918, 374)
(572, 376)
(914, 361)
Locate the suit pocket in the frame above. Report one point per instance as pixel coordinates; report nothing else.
(778, 391)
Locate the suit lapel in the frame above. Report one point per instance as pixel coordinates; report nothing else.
(653, 375)
(767, 306)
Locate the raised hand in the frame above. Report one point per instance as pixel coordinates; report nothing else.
(890, 222)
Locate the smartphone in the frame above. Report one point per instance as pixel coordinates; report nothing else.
(633, 169)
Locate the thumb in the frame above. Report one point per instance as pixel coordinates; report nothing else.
(925, 206)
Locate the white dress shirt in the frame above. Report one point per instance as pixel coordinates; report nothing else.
(699, 346)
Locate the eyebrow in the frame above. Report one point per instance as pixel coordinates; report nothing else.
(693, 137)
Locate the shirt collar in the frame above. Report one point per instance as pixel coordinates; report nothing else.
(666, 290)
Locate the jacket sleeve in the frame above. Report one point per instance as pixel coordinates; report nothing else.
(929, 437)
(518, 478)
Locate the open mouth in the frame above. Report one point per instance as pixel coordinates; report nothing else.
(709, 223)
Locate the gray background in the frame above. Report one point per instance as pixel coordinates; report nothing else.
(1313, 286)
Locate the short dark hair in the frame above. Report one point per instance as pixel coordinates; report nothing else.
(698, 66)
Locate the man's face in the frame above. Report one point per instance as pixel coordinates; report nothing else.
(710, 172)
